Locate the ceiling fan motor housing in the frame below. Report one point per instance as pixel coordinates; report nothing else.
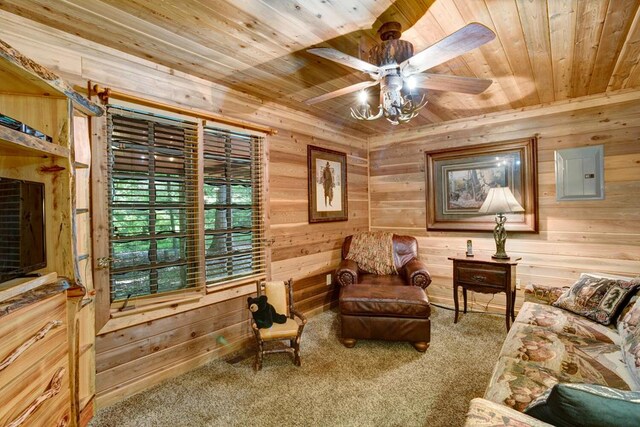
(391, 50)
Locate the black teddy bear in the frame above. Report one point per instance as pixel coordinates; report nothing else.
(264, 313)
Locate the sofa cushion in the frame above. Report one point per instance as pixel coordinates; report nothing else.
(484, 413)
(597, 298)
(381, 300)
(587, 405)
(569, 357)
(516, 383)
(629, 328)
(558, 320)
(534, 358)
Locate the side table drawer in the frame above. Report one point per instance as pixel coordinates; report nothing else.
(481, 275)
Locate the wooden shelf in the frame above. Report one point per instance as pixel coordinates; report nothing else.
(14, 143)
(21, 285)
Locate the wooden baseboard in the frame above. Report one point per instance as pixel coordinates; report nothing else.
(319, 310)
(86, 414)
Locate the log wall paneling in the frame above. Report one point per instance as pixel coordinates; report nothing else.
(575, 237)
(136, 352)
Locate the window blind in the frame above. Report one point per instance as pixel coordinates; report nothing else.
(152, 203)
(233, 209)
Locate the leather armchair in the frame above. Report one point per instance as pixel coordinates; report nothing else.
(411, 271)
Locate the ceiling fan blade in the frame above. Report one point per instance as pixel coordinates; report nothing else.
(465, 39)
(344, 59)
(349, 89)
(451, 83)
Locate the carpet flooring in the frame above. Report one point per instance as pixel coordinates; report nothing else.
(376, 383)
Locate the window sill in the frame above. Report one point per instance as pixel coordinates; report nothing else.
(154, 311)
(212, 289)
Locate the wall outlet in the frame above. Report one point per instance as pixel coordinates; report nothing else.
(329, 279)
(518, 284)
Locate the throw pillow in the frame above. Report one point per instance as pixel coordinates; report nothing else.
(597, 298)
(629, 329)
(586, 405)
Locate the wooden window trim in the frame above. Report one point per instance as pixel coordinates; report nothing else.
(160, 305)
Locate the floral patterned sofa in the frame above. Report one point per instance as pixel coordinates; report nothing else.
(548, 345)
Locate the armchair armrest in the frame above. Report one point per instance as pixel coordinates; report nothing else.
(543, 294)
(416, 274)
(347, 272)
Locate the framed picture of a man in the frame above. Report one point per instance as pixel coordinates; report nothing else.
(327, 171)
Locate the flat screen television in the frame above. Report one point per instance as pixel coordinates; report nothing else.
(22, 228)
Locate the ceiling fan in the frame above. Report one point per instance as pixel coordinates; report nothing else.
(399, 72)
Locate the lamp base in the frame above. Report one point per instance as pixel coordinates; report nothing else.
(500, 236)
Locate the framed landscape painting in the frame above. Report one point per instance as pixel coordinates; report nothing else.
(327, 175)
(458, 181)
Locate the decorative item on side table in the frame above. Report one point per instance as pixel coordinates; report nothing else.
(327, 175)
(500, 201)
(469, 248)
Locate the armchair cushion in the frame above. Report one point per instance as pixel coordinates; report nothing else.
(381, 300)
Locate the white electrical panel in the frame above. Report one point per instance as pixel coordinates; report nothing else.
(580, 173)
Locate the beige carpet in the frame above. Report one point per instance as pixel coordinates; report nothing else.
(376, 383)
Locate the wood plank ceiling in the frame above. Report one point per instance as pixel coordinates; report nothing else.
(545, 50)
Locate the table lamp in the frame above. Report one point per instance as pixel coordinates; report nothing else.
(500, 201)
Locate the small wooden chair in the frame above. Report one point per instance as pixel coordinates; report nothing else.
(280, 296)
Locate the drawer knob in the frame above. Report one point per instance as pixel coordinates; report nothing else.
(479, 278)
(28, 343)
(54, 388)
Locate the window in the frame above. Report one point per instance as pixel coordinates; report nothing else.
(234, 244)
(157, 234)
(152, 203)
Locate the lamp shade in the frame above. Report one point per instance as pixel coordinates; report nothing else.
(500, 200)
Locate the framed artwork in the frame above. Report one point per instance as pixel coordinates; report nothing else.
(458, 181)
(327, 175)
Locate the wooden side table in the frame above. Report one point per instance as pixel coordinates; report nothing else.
(485, 275)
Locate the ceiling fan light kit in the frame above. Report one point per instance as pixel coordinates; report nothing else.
(399, 72)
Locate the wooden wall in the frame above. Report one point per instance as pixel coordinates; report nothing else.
(135, 353)
(575, 237)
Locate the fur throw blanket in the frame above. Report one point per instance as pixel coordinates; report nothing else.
(373, 252)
